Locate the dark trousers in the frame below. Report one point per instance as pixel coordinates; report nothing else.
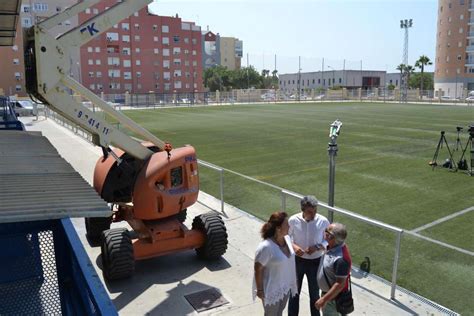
(308, 267)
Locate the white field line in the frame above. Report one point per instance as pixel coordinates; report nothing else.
(467, 252)
(443, 219)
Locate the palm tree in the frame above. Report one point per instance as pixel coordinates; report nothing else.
(401, 68)
(421, 63)
(409, 70)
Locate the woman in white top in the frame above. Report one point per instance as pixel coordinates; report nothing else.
(275, 273)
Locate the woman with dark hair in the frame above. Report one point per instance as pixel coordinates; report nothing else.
(275, 273)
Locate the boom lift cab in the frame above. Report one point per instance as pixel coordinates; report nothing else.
(149, 184)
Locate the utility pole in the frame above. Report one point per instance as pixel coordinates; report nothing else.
(405, 25)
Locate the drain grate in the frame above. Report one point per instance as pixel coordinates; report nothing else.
(207, 299)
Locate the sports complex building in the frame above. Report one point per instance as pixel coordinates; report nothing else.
(350, 79)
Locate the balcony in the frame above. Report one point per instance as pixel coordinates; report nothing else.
(470, 21)
(470, 35)
(470, 49)
(471, 8)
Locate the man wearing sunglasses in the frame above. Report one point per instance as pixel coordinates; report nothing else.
(334, 269)
(307, 233)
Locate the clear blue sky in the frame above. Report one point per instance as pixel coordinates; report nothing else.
(334, 29)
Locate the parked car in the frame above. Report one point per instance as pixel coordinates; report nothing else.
(23, 107)
(445, 97)
(319, 97)
(470, 99)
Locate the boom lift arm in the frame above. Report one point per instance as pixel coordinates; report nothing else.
(154, 186)
(47, 75)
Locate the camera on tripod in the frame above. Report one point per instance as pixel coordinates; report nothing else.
(471, 130)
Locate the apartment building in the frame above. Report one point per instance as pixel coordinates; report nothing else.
(143, 53)
(231, 50)
(454, 63)
(12, 65)
(210, 49)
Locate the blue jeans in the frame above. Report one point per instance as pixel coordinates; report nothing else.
(308, 267)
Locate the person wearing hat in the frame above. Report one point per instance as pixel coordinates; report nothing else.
(307, 234)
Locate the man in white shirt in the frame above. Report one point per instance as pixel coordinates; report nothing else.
(307, 234)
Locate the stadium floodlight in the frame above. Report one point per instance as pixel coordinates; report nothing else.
(405, 25)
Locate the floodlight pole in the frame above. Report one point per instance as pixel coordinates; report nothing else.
(334, 131)
(405, 25)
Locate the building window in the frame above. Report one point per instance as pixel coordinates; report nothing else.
(176, 38)
(135, 14)
(194, 63)
(138, 62)
(26, 22)
(40, 7)
(165, 28)
(186, 40)
(136, 26)
(137, 38)
(155, 38)
(459, 44)
(137, 50)
(113, 61)
(176, 50)
(461, 30)
(166, 64)
(126, 38)
(138, 74)
(91, 74)
(165, 40)
(92, 86)
(461, 17)
(90, 62)
(127, 75)
(112, 37)
(16, 61)
(461, 2)
(98, 74)
(194, 52)
(127, 63)
(17, 87)
(114, 73)
(156, 51)
(449, 19)
(126, 51)
(166, 52)
(155, 27)
(125, 26)
(194, 41)
(177, 62)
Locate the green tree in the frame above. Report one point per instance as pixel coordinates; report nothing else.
(421, 63)
(415, 81)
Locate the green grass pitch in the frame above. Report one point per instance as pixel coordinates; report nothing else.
(382, 172)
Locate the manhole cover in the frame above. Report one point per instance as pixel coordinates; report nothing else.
(207, 299)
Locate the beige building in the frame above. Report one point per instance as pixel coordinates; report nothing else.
(230, 52)
(454, 64)
(12, 80)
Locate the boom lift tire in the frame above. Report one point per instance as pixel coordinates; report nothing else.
(212, 225)
(95, 226)
(118, 261)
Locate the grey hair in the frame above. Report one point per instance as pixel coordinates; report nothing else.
(339, 232)
(309, 200)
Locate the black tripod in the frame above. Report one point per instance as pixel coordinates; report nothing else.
(451, 164)
(462, 162)
(458, 140)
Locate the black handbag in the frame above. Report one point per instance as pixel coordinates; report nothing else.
(344, 301)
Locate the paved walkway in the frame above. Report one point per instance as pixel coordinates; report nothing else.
(160, 284)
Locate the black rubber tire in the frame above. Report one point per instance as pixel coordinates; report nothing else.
(213, 227)
(95, 226)
(182, 215)
(118, 261)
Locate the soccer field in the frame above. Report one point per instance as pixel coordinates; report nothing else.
(382, 172)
